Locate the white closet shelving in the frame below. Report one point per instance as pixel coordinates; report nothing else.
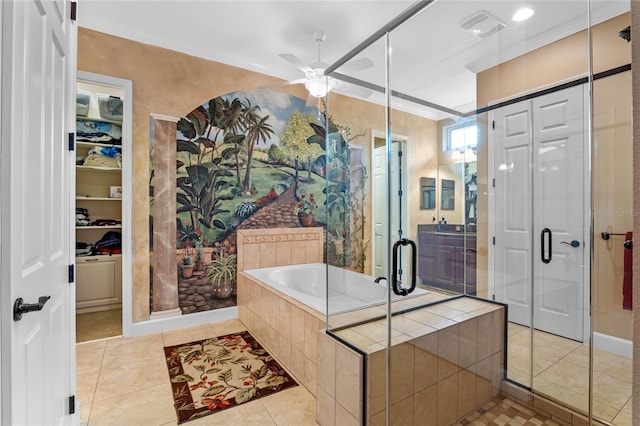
(99, 277)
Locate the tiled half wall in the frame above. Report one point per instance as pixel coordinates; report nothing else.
(436, 378)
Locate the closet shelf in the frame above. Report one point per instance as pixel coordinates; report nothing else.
(92, 144)
(98, 199)
(79, 228)
(100, 169)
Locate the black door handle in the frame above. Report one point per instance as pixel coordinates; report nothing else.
(545, 255)
(574, 243)
(20, 308)
(394, 277)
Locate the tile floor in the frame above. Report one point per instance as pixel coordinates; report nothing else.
(125, 382)
(505, 411)
(561, 371)
(98, 325)
(112, 371)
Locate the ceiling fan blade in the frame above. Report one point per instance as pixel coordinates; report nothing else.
(295, 61)
(357, 65)
(284, 83)
(358, 91)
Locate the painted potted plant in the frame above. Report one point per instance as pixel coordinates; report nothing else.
(187, 265)
(199, 257)
(221, 275)
(305, 209)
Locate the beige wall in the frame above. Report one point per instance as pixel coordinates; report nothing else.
(562, 61)
(171, 83)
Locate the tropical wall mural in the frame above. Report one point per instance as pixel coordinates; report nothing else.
(254, 160)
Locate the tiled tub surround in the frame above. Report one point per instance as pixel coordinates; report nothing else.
(447, 360)
(285, 327)
(454, 349)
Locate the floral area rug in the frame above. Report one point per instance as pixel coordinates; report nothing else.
(221, 372)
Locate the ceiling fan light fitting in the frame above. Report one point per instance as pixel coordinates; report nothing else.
(320, 86)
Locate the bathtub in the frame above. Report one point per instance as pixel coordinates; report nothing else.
(348, 290)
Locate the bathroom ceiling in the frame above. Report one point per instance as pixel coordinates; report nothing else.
(436, 59)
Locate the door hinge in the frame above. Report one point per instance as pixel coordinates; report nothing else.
(72, 404)
(72, 273)
(400, 192)
(72, 141)
(494, 182)
(399, 153)
(494, 241)
(74, 10)
(493, 296)
(493, 124)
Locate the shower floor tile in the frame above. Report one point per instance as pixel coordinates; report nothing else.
(561, 372)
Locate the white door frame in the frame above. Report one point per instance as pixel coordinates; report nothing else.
(127, 188)
(377, 134)
(586, 303)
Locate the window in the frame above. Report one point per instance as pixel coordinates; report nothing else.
(460, 135)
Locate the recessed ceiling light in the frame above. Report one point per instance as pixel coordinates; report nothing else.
(522, 14)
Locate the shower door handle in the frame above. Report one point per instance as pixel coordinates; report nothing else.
(394, 277)
(545, 245)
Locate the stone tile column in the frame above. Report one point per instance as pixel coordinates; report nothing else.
(165, 268)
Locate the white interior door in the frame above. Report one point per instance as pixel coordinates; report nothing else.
(38, 81)
(512, 210)
(381, 215)
(558, 195)
(539, 217)
(380, 207)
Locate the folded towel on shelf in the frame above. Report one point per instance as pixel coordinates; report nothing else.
(627, 280)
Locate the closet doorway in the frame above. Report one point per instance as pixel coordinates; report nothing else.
(103, 200)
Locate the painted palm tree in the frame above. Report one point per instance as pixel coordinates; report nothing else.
(257, 129)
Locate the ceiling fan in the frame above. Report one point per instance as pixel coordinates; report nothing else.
(314, 79)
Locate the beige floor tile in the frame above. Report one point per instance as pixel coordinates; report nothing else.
(513, 328)
(624, 416)
(227, 327)
(151, 406)
(187, 335)
(131, 376)
(89, 360)
(98, 325)
(251, 413)
(91, 346)
(137, 348)
(567, 395)
(85, 412)
(86, 385)
(553, 345)
(293, 406)
(566, 375)
(611, 390)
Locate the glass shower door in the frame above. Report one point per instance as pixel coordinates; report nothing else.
(498, 197)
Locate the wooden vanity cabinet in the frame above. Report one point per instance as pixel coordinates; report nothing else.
(447, 259)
